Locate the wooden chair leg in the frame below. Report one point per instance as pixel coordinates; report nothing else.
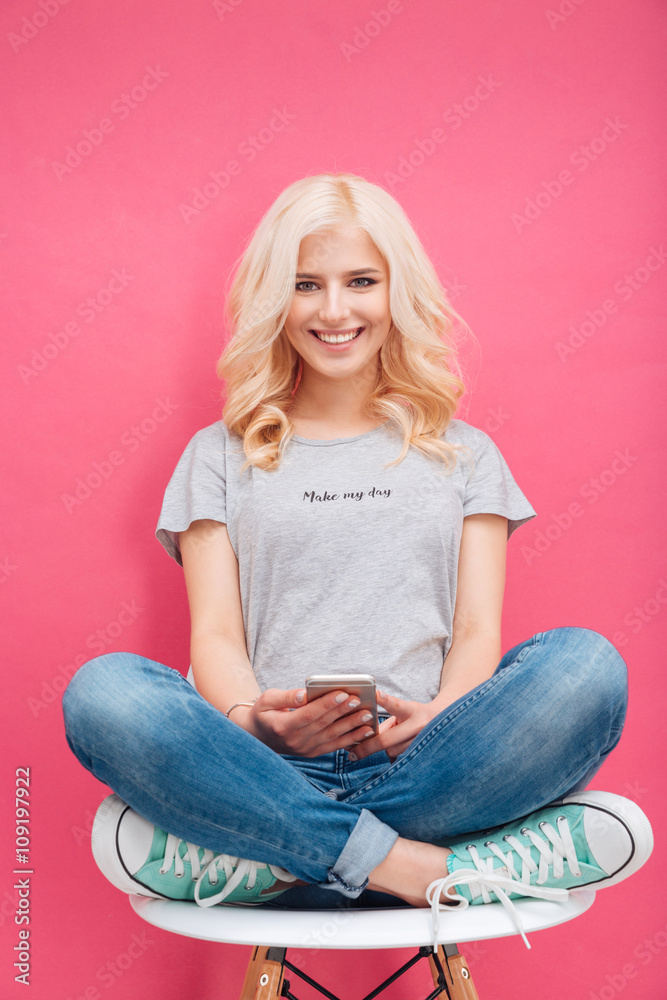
(264, 975)
(459, 980)
(252, 973)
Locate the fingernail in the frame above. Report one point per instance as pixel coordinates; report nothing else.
(352, 756)
(340, 698)
(355, 703)
(368, 735)
(300, 695)
(367, 717)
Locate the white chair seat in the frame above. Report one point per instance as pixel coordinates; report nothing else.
(393, 927)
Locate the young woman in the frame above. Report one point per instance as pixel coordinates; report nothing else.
(339, 519)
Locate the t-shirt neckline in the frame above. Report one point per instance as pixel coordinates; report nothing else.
(347, 440)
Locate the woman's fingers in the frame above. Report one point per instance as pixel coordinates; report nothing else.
(336, 714)
(393, 752)
(393, 739)
(309, 743)
(394, 706)
(329, 705)
(348, 741)
(337, 721)
(410, 719)
(275, 699)
(312, 728)
(379, 741)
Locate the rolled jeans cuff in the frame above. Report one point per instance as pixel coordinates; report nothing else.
(368, 845)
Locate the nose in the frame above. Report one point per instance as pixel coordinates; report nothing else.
(333, 310)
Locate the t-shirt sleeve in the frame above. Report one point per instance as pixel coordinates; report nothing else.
(197, 489)
(491, 488)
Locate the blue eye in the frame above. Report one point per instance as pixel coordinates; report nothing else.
(300, 285)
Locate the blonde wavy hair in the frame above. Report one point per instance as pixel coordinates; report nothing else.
(419, 381)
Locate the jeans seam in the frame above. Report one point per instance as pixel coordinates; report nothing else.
(463, 706)
(410, 753)
(333, 877)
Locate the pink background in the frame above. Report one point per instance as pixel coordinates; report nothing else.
(545, 222)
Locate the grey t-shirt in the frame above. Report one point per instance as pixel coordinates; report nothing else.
(345, 567)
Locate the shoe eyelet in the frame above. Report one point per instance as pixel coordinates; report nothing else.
(176, 874)
(468, 846)
(163, 871)
(542, 824)
(487, 843)
(524, 831)
(564, 818)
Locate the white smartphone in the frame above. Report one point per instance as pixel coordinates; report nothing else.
(361, 685)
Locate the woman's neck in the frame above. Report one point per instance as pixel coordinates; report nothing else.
(324, 409)
(317, 429)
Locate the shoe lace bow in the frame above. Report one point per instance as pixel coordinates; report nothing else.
(553, 847)
(234, 869)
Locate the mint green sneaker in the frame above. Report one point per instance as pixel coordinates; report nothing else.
(138, 857)
(594, 839)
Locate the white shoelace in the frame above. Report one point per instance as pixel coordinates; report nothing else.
(234, 869)
(554, 847)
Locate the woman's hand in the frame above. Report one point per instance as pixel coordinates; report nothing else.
(407, 719)
(284, 721)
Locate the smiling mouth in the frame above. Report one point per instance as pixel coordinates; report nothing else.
(335, 336)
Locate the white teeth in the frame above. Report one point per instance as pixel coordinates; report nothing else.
(337, 338)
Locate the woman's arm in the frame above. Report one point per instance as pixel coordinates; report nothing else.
(222, 670)
(220, 665)
(475, 649)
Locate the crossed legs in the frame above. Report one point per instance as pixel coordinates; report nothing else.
(538, 729)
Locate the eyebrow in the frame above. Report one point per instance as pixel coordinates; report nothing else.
(347, 274)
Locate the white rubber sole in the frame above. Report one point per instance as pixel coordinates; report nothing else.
(636, 823)
(107, 858)
(103, 844)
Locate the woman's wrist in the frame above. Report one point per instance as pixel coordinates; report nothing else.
(447, 695)
(241, 715)
(239, 704)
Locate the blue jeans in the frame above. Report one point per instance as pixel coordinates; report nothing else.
(538, 729)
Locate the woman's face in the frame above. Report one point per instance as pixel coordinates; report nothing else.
(339, 317)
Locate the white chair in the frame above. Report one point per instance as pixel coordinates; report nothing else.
(271, 932)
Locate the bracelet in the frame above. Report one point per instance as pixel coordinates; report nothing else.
(236, 705)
